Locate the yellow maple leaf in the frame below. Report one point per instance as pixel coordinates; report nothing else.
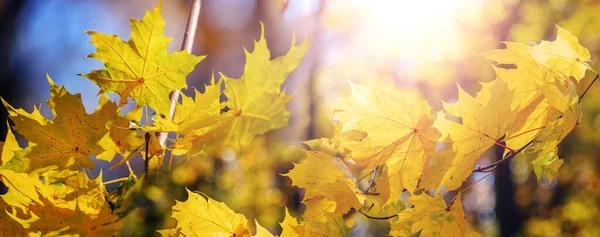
(68, 141)
(320, 174)
(318, 208)
(547, 166)
(485, 121)
(397, 131)
(332, 226)
(202, 216)
(52, 201)
(255, 101)
(261, 231)
(564, 56)
(434, 172)
(141, 68)
(562, 59)
(431, 216)
(194, 116)
(120, 139)
(8, 147)
(289, 225)
(543, 153)
(51, 221)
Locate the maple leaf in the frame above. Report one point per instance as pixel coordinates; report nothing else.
(51, 220)
(194, 116)
(547, 166)
(202, 216)
(434, 172)
(318, 208)
(289, 225)
(8, 148)
(261, 231)
(485, 121)
(333, 226)
(68, 141)
(120, 139)
(141, 68)
(330, 146)
(543, 151)
(431, 216)
(562, 59)
(323, 175)
(564, 56)
(52, 201)
(376, 113)
(255, 101)
(405, 151)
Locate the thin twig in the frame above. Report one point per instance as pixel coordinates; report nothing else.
(187, 45)
(115, 180)
(506, 158)
(131, 171)
(588, 88)
(467, 188)
(372, 180)
(364, 176)
(376, 217)
(146, 158)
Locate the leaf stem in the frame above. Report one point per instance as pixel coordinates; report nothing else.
(505, 147)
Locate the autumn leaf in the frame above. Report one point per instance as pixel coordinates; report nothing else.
(543, 152)
(51, 201)
(431, 216)
(194, 116)
(332, 226)
(562, 59)
(547, 166)
(141, 68)
(200, 216)
(323, 175)
(120, 139)
(485, 121)
(255, 101)
(564, 56)
(434, 172)
(53, 220)
(8, 148)
(318, 208)
(397, 131)
(68, 141)
(289, 225)
(261, 231)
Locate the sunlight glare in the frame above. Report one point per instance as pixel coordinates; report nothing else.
(411, 29)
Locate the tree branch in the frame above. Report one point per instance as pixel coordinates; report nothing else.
(187, 45)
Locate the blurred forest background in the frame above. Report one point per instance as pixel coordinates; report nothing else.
(423, 47)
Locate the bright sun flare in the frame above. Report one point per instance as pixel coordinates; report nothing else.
(411, 29)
